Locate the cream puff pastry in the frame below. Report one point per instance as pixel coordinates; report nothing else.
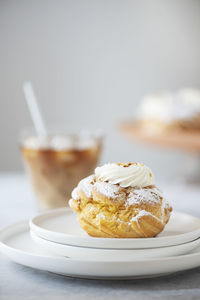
(120, 201)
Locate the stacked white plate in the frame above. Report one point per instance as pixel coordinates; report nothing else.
(55, 242)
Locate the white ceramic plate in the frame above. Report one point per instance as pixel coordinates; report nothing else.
(16, 243)
(84, 253)
(61, 226)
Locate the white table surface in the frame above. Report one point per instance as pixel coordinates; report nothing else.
(18, 282)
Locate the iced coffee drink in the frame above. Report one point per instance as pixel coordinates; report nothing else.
(57, 163)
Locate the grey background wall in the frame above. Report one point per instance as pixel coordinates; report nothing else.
(90, 63)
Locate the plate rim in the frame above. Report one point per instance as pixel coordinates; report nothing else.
(22, 227)
(47, 234)
(161, 252)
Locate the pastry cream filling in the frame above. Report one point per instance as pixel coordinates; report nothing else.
(126, 175)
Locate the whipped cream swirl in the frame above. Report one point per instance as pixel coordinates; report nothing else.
(126, 175)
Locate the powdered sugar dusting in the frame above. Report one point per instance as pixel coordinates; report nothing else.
(109, 190)
(143, 213)
(165, 204)
(70, 203)
(144, 195)
(86, 185)
(129, 197)
(74, 194)
(101, 216)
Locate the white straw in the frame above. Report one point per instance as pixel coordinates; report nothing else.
(34, 109)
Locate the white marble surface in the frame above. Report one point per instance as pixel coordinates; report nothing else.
(18, 282)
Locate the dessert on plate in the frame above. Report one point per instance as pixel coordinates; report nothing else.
(120, 201)
(169, 111)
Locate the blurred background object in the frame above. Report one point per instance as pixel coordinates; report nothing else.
(91, 62)
(170, 120)
(167, 112)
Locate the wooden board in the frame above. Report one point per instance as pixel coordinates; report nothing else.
(185, 141)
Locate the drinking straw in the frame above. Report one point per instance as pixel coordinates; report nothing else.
(34, 109)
